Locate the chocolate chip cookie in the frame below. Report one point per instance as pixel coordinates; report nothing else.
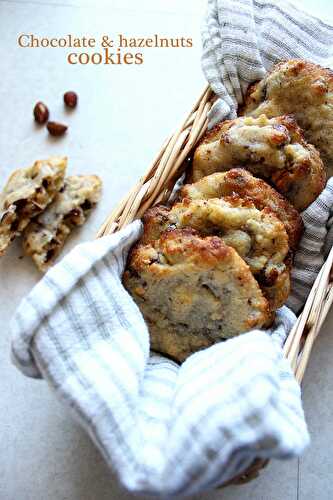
(193, 291)
(273, 149)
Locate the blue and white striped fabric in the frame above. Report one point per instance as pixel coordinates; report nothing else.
(242, 39)
(165, 429)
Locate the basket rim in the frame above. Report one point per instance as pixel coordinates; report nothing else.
(155, 187)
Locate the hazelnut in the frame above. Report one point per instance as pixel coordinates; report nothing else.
(70, 99)
(41, 113)
(56, 128)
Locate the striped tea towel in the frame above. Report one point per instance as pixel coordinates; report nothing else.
(244, 38)
(165, 429)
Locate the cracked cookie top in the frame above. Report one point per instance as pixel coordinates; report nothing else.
(273, 149)
(303, 89)
(258, 236)
(241, 182)
(193, 291)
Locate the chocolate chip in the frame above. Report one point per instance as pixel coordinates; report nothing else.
(54, 241)
(49, 255)
(74, 213)
(20, 204)
(14, 225)
(86, 205)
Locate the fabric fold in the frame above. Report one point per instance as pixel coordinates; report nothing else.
(164, 428)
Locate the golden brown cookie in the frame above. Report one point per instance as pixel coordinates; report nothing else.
(27, 193)
(303, 89)
(241, 182)
(45, 237)
(273, 149)
(258, 236)
(193, 291)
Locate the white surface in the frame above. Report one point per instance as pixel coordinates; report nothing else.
(124, 115)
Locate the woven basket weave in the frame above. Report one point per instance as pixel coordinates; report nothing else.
(156, 186)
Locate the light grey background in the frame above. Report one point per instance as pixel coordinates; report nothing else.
(124, 115)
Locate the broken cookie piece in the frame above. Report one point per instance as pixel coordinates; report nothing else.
(44, 237)
(27, 193)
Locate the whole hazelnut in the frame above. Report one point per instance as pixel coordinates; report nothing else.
(41, 113)
(70, 99)
(56, 128)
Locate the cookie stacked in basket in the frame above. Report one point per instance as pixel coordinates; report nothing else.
(217, 262)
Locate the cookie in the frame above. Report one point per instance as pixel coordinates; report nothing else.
(241, 182)
(193, 291)
(27, 193)
(258, 236)
(273, 149)
(303, 89)
(45, 237)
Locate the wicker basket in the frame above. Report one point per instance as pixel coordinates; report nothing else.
(156, 186)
